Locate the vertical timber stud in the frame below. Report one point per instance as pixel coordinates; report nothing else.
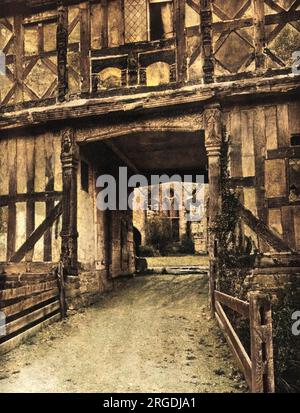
(180, 40)
(69, 234)
(261, 344)
(85, 46)
(19, 56)
(213, 141)
(259, 33)
(62, 50)
(206, 33)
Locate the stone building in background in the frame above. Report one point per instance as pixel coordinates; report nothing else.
(177, 215)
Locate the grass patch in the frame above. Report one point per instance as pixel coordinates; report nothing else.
(175, 261)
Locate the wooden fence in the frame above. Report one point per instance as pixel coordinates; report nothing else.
(258, 367)
(27, 301)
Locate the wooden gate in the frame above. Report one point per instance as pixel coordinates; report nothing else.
(27, 302)
(258, 367)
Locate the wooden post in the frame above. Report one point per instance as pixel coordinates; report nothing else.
(61, 287)
(180, 40)
(19, 55)
(213, 140)
(261, 344)
(62, 50)
(85, 37)
(69, 234)
(206, 33)
(259, 33)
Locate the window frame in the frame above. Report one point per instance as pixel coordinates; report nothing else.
(149, 20)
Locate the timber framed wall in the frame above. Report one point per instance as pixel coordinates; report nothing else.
(31, 188)
(264, 166)
(74, 49)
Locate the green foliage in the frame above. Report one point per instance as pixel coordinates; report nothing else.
(235, 250)
(236, 256)
(286, 356)
(159, 234)
(186, 245)
(148, 251)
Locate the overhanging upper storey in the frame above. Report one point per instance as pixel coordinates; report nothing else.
(59, 51)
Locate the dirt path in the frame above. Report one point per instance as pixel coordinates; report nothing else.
(151, 334)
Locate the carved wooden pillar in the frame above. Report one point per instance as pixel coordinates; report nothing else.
(213, 141)
(69, 234)
(206, 33)
(62, 50)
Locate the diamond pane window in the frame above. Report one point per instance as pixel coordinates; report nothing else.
(135, 21)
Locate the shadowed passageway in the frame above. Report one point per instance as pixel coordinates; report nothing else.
(151, 334)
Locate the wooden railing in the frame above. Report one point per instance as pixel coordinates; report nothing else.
(258, 367)
(27, 302)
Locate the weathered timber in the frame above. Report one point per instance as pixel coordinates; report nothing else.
(259, 141)
(62, 46)
(38, 233)
(213, 123)
(21, 337)
(69, 233)
(242, 90)
(22, 322)
(49, 175)
(263, 230)
(27, 303)
(19, 53)
(85, 36)
(21, 268)
(27, 290)
(12, 213)
(30, 203)
(30, 197)
(261, 344)
(180, 40)
(28, 278)
(234, 343)
(206, 32)
(59, 273)
(241, 307)
(259, 33)
(288, 226)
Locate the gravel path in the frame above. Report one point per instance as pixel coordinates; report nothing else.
(151, 334)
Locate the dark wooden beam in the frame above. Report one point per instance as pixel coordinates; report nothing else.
(30, 197)
(69, 233)
(259, 33)
(85, 41)
(180, 40)
(49, 175)
(37, 234)
(19, 54)
(206, 33)
(62, 46)
(262, 230)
